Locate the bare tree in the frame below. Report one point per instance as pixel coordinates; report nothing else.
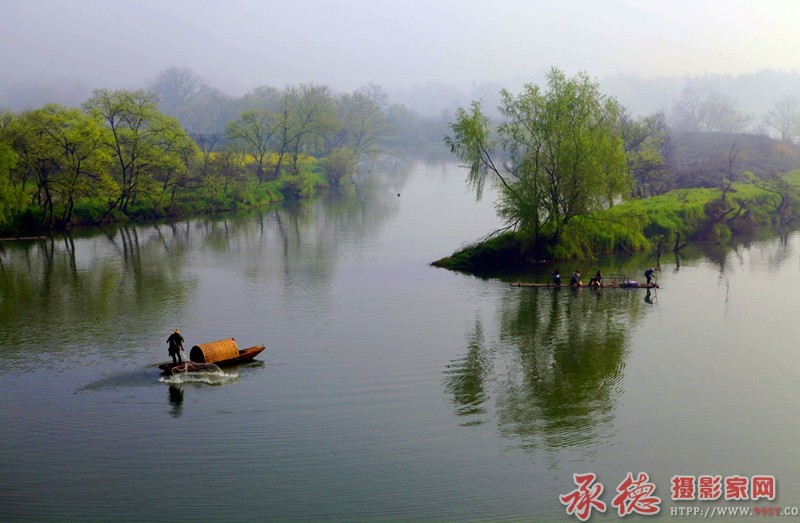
(699, 110)
(686, 110)
(176, 88)
(784, 117)
(720, 114)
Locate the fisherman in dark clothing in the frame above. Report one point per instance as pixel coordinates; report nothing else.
(649, 274)
(175, 342)
(556, 277)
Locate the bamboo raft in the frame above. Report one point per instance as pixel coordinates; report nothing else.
(632, 285)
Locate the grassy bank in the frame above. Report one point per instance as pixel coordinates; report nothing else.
(195, 197)
(639, 225)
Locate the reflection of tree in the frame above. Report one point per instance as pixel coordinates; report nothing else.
(304, 237)
(769, 244)
(466, 377)
(90, 291)
(87, 291)
(311, 233)
(562, 353)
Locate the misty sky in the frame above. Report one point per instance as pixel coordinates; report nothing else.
(240, 44)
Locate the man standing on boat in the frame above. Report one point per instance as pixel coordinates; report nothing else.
(649, 274)
(175, 342)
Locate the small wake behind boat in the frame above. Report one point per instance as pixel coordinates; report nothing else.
(221, 353)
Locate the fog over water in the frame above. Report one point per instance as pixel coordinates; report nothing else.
(59, 50)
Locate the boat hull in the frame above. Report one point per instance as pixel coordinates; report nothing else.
(244, 356)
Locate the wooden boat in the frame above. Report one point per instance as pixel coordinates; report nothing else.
(198, 360)
(623, 285)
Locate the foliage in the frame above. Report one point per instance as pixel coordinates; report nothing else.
(121, 158)
(637, 225)
(681, 210)
(691, 211)
(144, 143)
(565, 156)
(649, 147)
(338, 164)
(61, 150)
(88, 210)
(363, 125)
(307, 114)
(303, 185)
(629, 227)
(128, 154)
(501, 251)
(619, 229)
(254, 129)
(9, 195)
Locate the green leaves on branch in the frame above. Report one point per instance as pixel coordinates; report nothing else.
(9, 195)
(557, 154)
(339, 164)
(472, 142)
(61, 151)
(145, 145)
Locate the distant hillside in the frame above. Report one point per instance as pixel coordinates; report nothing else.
(702, 159)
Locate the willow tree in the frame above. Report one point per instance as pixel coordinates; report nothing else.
(557, 154)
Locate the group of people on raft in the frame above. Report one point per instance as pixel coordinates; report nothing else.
(594, 281)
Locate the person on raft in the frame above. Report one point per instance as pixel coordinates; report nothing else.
(649, 274)
(596, 280)
(175, 342)
(575, 280)
(556, 277)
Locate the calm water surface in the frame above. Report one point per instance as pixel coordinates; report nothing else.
(389, 390)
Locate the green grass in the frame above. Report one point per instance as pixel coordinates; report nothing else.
(687, 210)
(632, 227)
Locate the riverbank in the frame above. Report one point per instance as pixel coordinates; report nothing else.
(659, 223)
(192, 199)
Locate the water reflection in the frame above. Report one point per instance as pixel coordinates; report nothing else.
(175, 401)
(110, 292)
(466, 378)
(560, 355)
(87, 289)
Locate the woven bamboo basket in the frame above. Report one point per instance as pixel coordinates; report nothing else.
(214, 351)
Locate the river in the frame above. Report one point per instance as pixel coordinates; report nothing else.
(389, 390)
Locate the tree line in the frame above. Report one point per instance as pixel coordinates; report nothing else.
(178, 147)
(564, 156)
